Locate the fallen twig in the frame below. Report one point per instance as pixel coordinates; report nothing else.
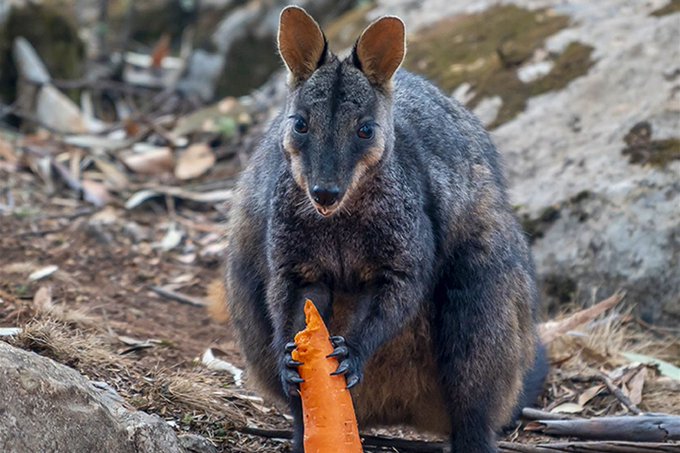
(380, 443)
(619, 394)
(178, 297)
(647, 428)
(370, 443)
(537, 414)
(590, 447)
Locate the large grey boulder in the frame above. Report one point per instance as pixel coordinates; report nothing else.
(601, 197)
(585, 153)
(48, 407)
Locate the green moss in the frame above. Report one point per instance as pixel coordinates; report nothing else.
(672, 7)
(569, 65)
(485, 50)
(664, 151)
(54, 37)
(581, 196)
(642, 149)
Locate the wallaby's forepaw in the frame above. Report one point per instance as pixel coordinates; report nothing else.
(290, 377)
(349, 364)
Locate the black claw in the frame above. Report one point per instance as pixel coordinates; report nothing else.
(337, 340)
(290, 363)
(292, 377)
(290, 346)
(340, 351)
(352, 381)
(342, 369)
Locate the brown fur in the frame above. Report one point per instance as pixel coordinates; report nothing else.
(375, 49)
(217, 295)
(301, 43)
(401, 385)
(295, 164)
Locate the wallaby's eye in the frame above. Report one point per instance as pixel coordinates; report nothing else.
(300, 125)
(365, 132)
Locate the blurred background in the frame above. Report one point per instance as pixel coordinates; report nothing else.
(124, 125)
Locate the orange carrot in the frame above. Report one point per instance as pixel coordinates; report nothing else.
(329, 419)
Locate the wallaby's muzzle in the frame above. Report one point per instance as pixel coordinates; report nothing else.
(325, 198)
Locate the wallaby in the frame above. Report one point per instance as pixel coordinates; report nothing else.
(384, 201)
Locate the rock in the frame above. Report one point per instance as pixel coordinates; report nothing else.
(203, 70)
(246, 35)
(617, 189)
(196, 444)
(487, 109)
(51, 31)
(28, 63)
(46, 406)
(577, 149)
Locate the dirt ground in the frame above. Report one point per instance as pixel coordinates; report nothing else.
(98, 313)
(106, 273)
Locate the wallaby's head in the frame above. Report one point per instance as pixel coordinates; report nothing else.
(338, 120)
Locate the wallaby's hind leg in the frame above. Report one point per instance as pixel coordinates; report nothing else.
(533, 384)
(478, 331)
(295, 405)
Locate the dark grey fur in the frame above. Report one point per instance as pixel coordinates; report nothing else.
(423, 268)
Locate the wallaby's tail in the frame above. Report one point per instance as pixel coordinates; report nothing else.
(217, 301)
(533, 383)
(535, 379)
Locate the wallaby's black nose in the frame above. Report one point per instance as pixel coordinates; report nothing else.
(325, 196)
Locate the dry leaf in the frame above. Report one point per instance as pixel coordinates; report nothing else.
(7, 152)
(132, 128)
(172, 238)
(227, 105)
(160, 51)
(213, 363)
(116, 178)
(635, 385)
(589, 394)
(43, 272)
(665, 368)
(43, 299)
(153, 161)
(195, 161)
(96, 193)
(567, 408)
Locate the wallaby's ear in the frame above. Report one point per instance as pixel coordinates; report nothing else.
(380, 49)
(302, 44)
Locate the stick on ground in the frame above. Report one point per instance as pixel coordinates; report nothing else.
(645, 428)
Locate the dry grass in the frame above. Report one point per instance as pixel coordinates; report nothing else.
(56, 339)
(580, 357)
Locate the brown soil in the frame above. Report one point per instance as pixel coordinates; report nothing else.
(104, 320)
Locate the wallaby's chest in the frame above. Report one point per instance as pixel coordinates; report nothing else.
(351, 249)
(348, 259)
